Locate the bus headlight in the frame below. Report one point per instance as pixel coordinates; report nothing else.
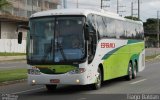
(34, 71)
(77, 71)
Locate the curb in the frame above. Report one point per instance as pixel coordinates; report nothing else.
(12, 58)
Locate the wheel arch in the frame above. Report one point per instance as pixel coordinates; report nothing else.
(136, 62)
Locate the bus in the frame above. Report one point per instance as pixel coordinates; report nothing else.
(82, 47)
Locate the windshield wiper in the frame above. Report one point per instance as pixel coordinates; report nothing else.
(61, 50)
(49, 50)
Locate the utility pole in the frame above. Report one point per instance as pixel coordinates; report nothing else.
(132, 10)
(64, 4)
(32, 6)
(102, 5)
(139, 9)
(158, 28)
(77, 3)
(118, 7)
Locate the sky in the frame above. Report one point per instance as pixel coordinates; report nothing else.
(148, 8)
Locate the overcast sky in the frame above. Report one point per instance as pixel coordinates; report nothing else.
(148, 9)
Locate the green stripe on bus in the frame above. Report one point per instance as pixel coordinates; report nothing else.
(106, 56)
(55, 69)
(134, 41)
(116, 62)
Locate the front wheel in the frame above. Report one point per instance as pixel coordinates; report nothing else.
(51, 87)
(97, 85)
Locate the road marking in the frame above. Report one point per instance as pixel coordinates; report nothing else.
(28, 90)
(82, 98)
(138, 81)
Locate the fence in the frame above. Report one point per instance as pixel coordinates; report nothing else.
(152, 51)
(12, 46)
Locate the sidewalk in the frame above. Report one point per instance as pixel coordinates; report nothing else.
(12, 58)
(152, 51)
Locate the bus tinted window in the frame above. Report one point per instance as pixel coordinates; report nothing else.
(113, 28)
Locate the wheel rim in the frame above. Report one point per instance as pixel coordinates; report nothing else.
(98, 84)
(99, 80)
(130, 72)
(135, 72)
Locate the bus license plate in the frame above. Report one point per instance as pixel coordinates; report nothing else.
(54, 81)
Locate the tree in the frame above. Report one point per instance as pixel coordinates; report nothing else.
(150, 24)
(132, 18)
(4, 4)
(150, 29)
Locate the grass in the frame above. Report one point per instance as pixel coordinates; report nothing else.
(11, 54)
(13, 74)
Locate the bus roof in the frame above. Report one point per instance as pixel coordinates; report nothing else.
(84, 12)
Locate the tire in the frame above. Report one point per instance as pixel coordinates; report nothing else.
(98, 83)
(51, 87)
(134, 74)
(130, 72)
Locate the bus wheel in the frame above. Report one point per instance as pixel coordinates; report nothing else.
(134, 70)
(129, 76)
(97, 85)
(51, 87)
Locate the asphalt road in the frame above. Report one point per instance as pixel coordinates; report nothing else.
(147, 82)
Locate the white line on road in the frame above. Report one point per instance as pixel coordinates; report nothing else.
(28, 90)
(138, 81)
(82, 98)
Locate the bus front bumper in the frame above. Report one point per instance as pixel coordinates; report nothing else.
(70, 79)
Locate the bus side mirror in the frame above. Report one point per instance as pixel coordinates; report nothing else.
(20, 34)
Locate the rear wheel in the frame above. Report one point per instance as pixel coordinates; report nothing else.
(51, 87)
(130, 71)
(134, 74)
(97, 85)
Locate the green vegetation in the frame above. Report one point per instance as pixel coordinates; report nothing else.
(13, 74)
(150, 29)
(150, 25)
(132, 18)
(3, 5)
(11, 54)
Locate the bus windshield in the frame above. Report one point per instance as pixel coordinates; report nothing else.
(56, 39)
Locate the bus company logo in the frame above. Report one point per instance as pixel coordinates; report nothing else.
(108, 45)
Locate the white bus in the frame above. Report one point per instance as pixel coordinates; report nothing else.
(82, 47)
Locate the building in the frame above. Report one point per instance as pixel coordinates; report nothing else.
(19, 13)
